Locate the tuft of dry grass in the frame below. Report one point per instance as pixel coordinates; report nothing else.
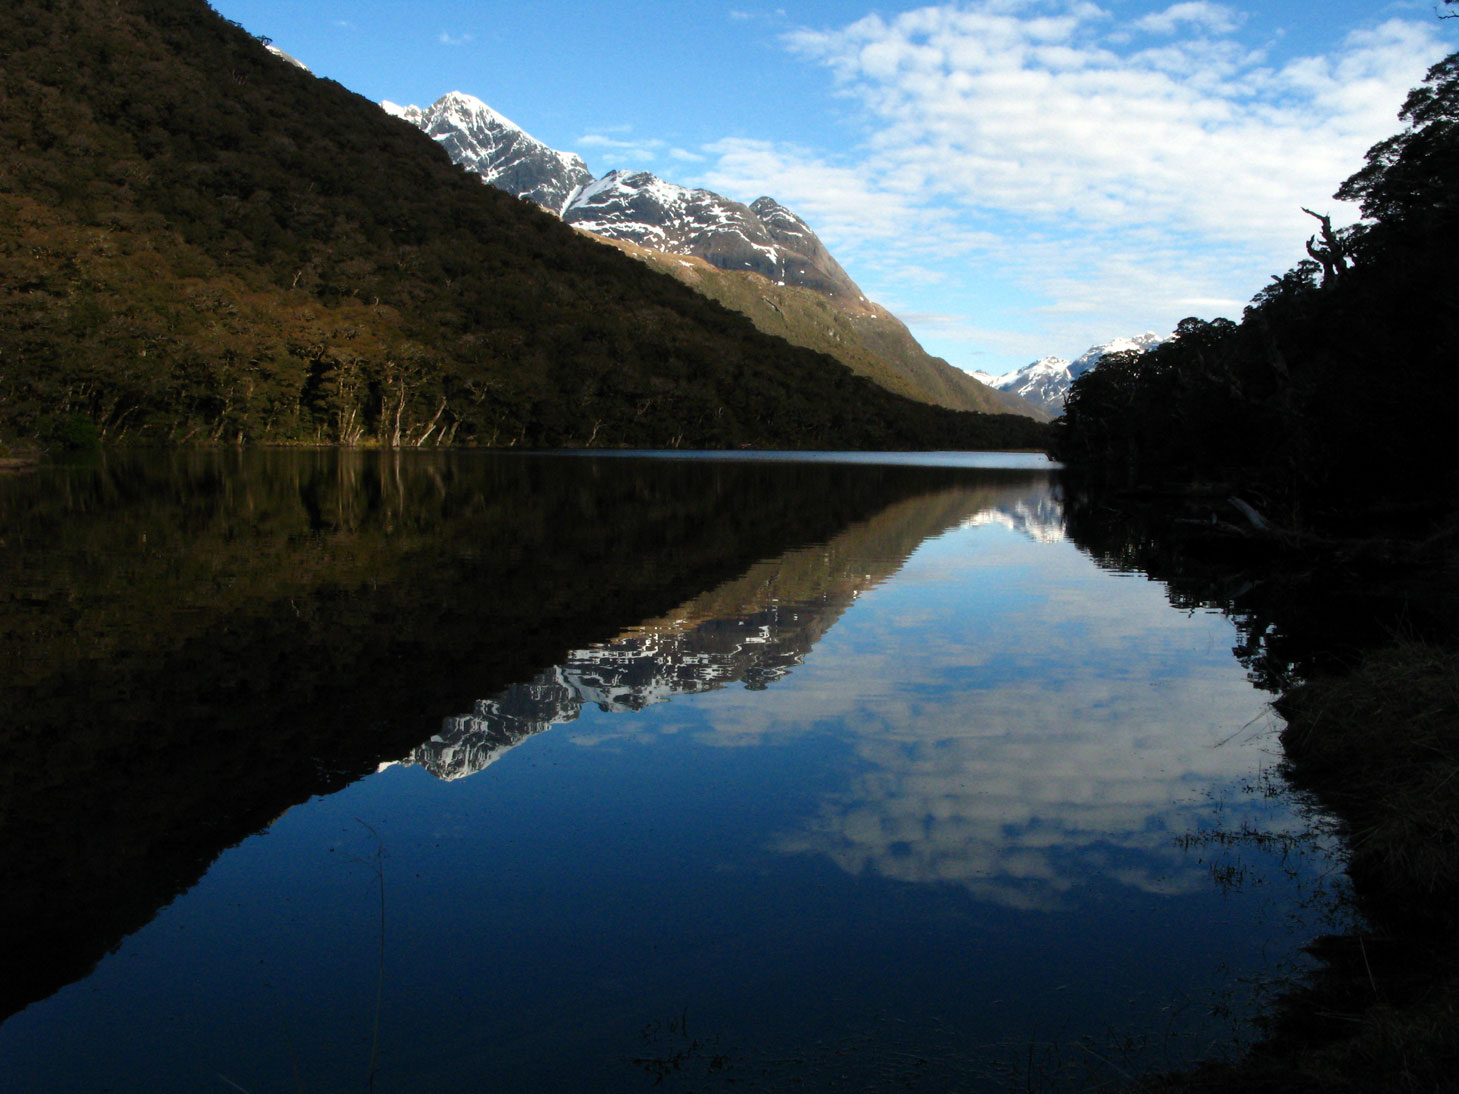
(1380, 747)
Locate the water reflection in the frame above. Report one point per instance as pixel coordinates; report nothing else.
(184, 634)
(823, 737)
(751, 631)
(1070, 746)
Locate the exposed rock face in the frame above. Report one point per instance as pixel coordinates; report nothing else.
(489, 145)
(764, 237)
(637, 206)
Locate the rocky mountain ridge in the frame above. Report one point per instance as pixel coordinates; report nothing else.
(500, 151)
(1045, 382)
(763, 237)
(648, 216)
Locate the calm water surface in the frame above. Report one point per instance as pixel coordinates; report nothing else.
(534, 773)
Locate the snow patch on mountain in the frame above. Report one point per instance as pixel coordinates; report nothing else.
(635, 206)
(281, 55)
(494, 147)
(1045, 382)
(1041, 521)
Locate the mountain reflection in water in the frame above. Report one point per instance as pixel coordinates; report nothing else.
(752, 630)
(1018, 788)
(835, 749)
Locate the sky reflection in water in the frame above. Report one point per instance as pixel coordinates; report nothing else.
(915, 793)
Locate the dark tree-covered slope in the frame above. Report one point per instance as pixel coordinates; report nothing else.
(201, 242)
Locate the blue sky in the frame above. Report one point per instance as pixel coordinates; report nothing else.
(1014, 178)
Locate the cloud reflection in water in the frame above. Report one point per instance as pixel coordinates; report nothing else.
(1023, 724)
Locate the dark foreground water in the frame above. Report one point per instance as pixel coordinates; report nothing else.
(432, 773)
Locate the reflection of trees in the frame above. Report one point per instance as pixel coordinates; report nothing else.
(1296, 611)
(1370, 741)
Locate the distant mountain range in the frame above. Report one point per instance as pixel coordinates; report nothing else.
(1045, 382)
(648, 217)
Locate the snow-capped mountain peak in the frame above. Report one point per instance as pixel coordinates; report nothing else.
(1091, 357)
(1046, 381)
(501, 152)
(636, 206)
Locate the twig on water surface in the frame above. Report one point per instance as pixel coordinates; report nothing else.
(1106, 1061)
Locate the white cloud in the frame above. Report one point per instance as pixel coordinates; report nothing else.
(446, 38)
(1102, 173)
(1035, 116)
(1216, 18)
(624, 151)
(835, 199)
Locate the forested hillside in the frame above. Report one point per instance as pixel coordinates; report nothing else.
(1335, 393)
(199, 242)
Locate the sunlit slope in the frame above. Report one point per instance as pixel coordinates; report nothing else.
(864, 337)
(199, 241)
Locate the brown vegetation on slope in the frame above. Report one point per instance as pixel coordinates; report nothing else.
(199, 241)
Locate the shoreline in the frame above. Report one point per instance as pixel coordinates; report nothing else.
(1379, 747)
(1372, 735)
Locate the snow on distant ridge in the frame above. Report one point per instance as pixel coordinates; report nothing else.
(1045, 382)
(281, 55)
(1090, 357)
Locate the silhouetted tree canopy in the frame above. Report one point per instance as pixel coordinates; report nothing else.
(1336, 391)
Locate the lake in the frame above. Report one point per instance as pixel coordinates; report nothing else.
(346, 771)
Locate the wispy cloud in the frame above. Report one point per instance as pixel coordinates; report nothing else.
(741, 15)
(446, 38)
(1200, 14)
(618, 148)
(1098, 161)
